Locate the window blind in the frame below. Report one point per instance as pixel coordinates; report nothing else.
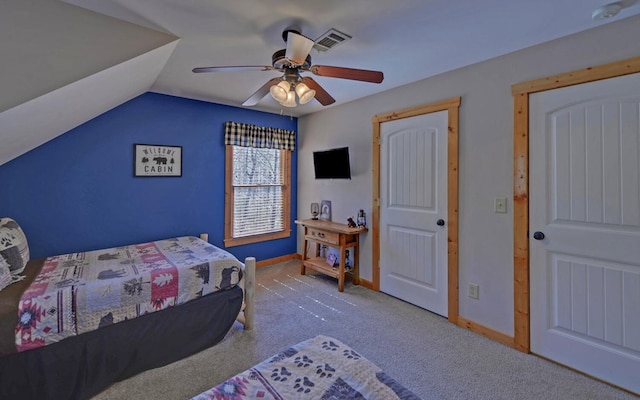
(258, 187)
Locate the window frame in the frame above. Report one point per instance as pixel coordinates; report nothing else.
(229, 240)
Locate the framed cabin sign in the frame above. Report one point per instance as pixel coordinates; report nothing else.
(157, 160)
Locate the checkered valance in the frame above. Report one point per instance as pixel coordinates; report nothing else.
(246, 135)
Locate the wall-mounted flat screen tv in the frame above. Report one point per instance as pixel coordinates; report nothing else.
(332, 164)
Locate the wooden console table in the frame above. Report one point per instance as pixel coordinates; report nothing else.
(332, 234)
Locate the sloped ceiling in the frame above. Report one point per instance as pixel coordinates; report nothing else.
(63, 65)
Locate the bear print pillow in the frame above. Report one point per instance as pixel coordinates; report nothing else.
(14, 248)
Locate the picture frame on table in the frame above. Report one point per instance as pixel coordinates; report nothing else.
(331, 259)
(334, 254)
(325, 210)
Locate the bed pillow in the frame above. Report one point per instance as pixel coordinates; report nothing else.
(14, 248)
(5, 274)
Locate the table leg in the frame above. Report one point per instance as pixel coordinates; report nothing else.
(305, 253)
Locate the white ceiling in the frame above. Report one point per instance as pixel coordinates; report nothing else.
(408, 40)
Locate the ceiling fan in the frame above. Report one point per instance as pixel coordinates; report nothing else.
(293, 61)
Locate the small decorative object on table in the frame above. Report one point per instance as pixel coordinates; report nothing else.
(334, 254)
(325, 210)
(315, 210)
(331, 259)
(351, 223)
(348, 260)
(362, 218)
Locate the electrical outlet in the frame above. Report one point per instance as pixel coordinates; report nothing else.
(473, 291)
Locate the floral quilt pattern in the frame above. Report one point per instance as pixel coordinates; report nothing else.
(319, 368)
(80, 292)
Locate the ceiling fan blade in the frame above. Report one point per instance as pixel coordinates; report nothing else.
(234, 68)
(260, 93)
(322, 96)
(348, 73)
(298, 48)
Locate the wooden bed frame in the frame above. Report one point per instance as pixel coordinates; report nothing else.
(82, 366)
(247, 312)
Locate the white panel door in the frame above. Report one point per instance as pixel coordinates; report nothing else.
(413, 197)
(585, 199)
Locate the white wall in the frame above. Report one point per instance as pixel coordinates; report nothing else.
(486, 154)
(46, 45)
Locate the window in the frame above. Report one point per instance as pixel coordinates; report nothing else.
(257, 194)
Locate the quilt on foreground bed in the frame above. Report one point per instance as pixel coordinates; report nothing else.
(318, 368)
(80, 292)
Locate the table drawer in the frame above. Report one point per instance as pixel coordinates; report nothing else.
(325, 236)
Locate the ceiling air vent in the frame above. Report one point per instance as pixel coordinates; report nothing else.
(330, 39)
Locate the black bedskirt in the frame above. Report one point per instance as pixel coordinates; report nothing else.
(82, 366)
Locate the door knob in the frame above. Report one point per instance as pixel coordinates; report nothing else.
(440, 222)
(537, 235)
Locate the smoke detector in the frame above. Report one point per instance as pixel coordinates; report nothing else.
(330, 39)
(607, 11)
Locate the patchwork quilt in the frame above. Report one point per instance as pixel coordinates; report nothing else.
(319, 368)
(81, 292)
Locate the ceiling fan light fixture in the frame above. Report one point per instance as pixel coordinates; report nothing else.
(305, 94)
(290, 101)
(280, 91)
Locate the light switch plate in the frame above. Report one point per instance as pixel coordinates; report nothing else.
(473, 291)
(500, 204)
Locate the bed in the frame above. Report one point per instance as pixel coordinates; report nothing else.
(318, 368)
(71, 325)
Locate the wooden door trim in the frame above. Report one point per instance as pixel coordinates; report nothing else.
(521, 92)
(452, 106)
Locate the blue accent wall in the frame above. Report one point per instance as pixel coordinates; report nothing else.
(78, 191)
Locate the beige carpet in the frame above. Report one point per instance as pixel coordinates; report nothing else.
(423, 351)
